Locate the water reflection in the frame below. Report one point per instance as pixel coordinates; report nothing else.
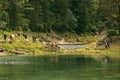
(56, 67)
(54, 58)
(13, 60)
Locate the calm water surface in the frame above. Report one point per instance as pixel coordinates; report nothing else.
(58, 68)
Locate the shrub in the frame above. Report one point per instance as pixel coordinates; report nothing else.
(111, 33)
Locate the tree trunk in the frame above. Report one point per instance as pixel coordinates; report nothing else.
(119, 16)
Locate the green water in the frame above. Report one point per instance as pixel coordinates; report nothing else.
(58, 68)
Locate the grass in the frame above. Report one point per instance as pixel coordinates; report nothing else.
(20, 43)
(36, 48)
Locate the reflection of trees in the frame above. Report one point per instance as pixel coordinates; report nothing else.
(57, 66)
(54, 57)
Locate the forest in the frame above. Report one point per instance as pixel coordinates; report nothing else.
(59, 39)
(76, 16)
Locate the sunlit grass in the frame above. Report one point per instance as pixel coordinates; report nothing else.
(36, 48)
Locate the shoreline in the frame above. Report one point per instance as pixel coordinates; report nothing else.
(100, 55)
(30, 47)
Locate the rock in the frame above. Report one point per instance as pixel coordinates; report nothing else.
(18, 52)
(1, 50)
(100, 42)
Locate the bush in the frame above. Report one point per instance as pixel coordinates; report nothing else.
(111, 33)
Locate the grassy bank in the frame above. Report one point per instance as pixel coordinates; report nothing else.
(27, 46)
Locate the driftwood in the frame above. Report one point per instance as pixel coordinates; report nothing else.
(18, 52)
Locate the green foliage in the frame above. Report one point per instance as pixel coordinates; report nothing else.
(21, 44)
(111, 33)
(79, 16)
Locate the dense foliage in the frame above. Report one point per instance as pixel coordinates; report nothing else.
(78, 16)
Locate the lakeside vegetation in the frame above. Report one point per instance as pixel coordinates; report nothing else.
(75, 16)
(49, 21)
(28, 47)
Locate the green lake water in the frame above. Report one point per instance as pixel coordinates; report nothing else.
(58, 68)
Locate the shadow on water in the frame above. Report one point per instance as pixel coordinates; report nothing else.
(106, 59)
(58, 67)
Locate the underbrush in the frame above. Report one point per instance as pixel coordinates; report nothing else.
(27, 45)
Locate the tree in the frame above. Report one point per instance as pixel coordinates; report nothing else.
(118, 15)
(107, 15)
(4, 17)
(81, 10)
(79, 16)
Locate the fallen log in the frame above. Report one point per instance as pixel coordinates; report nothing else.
(18, 52)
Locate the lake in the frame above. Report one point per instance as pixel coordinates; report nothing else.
(67, 67)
